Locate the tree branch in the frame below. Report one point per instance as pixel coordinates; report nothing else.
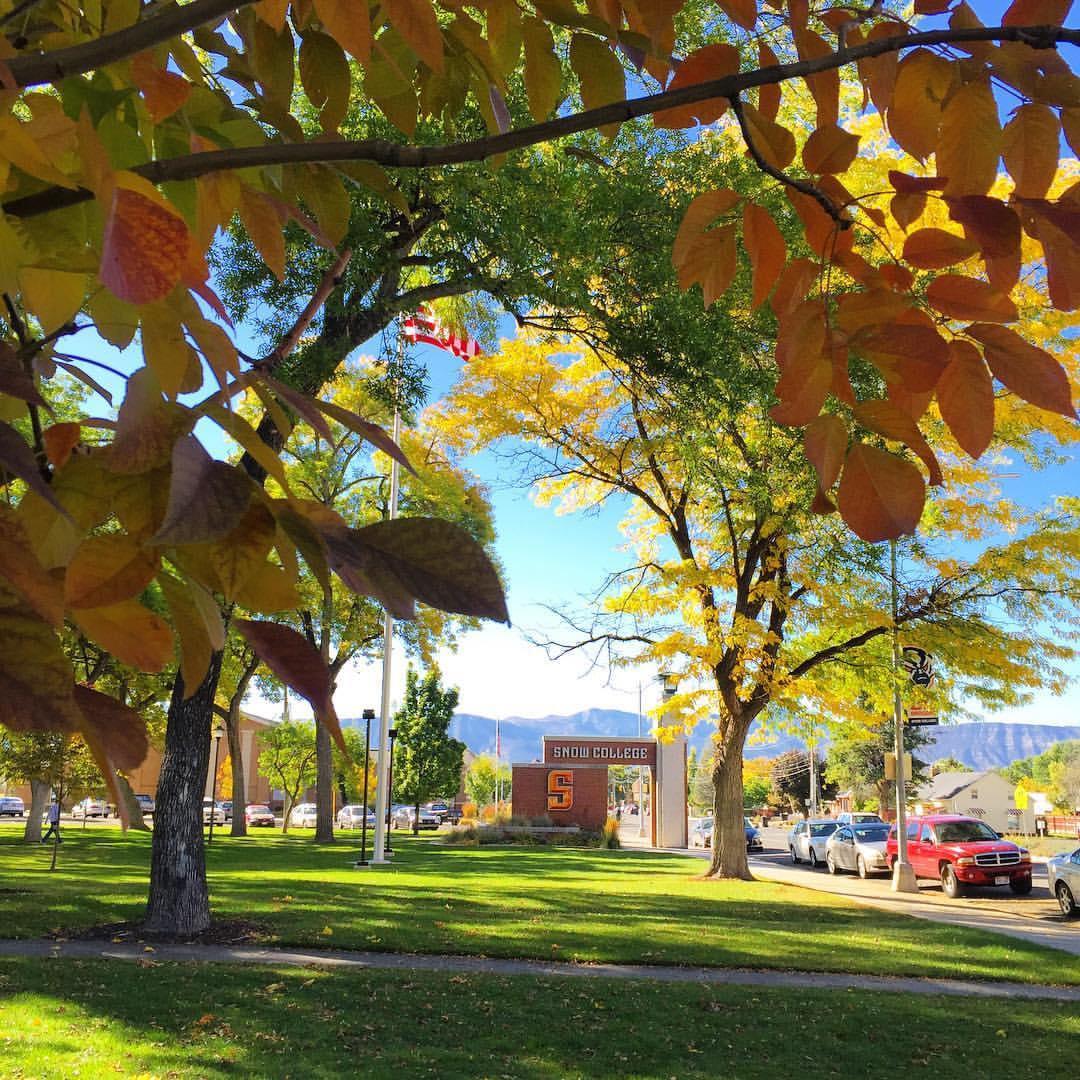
(51, 67)
(396, 156)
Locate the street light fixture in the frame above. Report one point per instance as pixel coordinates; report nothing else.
(217, 734)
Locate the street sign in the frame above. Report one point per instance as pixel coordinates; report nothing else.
(921, 717)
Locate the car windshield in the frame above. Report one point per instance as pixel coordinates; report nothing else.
(256, 809)
(959, 832)
(823, 828)
(871, 833)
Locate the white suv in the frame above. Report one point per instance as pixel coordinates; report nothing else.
(302, 816)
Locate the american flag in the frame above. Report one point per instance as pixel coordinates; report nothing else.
(426, 328)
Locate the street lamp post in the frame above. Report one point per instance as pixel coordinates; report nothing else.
(903, 872)
(217, 733)
(389, 788)
(369, 715)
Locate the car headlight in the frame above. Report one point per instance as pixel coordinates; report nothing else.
(1024, 851)
(967, 860)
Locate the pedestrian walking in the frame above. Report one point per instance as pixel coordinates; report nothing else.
(54, 824)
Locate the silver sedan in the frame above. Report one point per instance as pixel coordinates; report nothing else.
(807, 841)
(1063, 876)
(860, 848)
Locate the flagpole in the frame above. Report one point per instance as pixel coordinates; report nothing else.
(382, 796)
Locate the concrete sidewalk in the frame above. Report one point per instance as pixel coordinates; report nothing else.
(341, 959)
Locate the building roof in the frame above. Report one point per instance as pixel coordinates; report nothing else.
(947, 784)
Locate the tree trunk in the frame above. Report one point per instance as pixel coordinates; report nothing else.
(290, 801)
(324, 785)
(135, 814)
(239, 788)
(729, 833)
(39, 803)
(416, 818)
(179, 900)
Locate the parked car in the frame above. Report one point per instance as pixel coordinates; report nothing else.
(405, 818)
(701, 833)
(226, 808)
(353, 817)
(858, 817)
(146, 803)
(453, 815)
(88, 808)
(258, 814)
(859, 847)
(303, 816)
(808, 839)
(961, 851)
(1063, 876)
(209, 807)
(439, 809)
(11, 805)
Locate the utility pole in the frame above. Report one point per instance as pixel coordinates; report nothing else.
(903, 874)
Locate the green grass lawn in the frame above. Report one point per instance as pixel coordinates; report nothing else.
(102, 1019)
(552, 904)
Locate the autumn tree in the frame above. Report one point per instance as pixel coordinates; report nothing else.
(287, 760)
(770, 610)
(428, 762)
(484, 778)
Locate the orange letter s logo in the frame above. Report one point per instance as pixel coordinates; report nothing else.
(560, 789)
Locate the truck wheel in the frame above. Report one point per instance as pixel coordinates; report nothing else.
(950, 884)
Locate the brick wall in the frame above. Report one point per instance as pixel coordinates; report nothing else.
(586, 789)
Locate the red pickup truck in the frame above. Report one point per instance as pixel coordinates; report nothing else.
(961, 851)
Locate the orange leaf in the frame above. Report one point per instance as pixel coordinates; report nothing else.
(775, 143)
(907, 353)
(710, 261)
(1036, 13)
(965, 298)
(164, 91)
(991, 224)
(893, 423)
(856, 310)
(1028, 371)
(906, 184)
(766, 247)
(702, 65)
(145, 246)
(700, 214)
(117, 728)
(881, 496)
(60, 440)
(107, 569)
(965, 394)
(349, 23)
(826, 440)
(1062, 267)
(742, 12)
(969, 145)
(1031, 142)
(804, 383)
(803, 326)
(923, 80)
(824, 85)
(768, 93)
(823, 233)
(906, 208)
(21, 570)
(830, 150)
(934, 249)
(417, 23)
(878, 73)
(793, 286)
(132, 633)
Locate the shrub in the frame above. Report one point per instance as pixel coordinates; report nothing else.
(609, 836)
(468, 811)
(488, 814)
(466, 836)
(542, 822)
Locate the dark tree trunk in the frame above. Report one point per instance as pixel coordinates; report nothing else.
(324, 785)
(729, 834)
(135, 814)
(179, 900)
(416, 818)
(239, 788)
(39, 803)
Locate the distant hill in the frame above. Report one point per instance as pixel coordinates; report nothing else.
(987, 745)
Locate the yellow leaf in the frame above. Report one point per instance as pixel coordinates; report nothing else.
(193, 641)
(600, 74)
(18, 146)
(774, 142)
(349, 23)
(167, 353)
(107, 569)
(241, 554)
(543, 74)
(830, 150)
(416, 22)
(133, 634)
(923, 80)
(1031, 147)
(264, 224)
(969, 144)
(267, 590)
(54, 296)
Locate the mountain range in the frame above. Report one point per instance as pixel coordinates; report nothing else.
(982, 745)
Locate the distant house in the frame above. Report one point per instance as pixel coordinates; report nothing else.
(985, 795)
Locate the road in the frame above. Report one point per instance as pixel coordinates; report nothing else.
(1034, 918)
